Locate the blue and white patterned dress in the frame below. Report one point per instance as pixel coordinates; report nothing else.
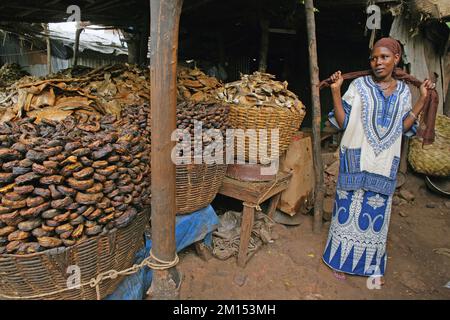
(369, 160)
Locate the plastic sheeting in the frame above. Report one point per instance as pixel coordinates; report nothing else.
(189, 229)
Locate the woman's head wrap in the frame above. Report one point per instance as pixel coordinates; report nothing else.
(389, 43)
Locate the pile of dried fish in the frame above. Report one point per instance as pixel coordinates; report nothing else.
(10, 73)
(101, 91)
(212, 115)
(259, 89)
(139, 115)
(196, 86)
(62, 182)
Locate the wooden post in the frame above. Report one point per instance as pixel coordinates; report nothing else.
(248, 217)
(165, 18)
(143, 46)
(315, 98)
(49, 48)
(77, 44)
(132, 51)
(264, 49)
(132, 45)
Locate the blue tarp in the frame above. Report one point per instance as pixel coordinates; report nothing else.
(189, 229)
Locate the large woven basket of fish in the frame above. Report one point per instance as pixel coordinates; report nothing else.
(433, 159)
(53, 274)
(198, 111)
(197, 185)
(259, 105)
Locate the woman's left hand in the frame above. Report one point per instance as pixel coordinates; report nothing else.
(425, 86)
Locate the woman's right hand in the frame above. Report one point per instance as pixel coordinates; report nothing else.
(337, 80)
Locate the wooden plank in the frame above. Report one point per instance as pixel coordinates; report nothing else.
(281, 186)
(248, 217)
(252, 191)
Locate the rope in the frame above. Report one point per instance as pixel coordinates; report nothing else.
(251, 205)
(258, 202)
(151, 262)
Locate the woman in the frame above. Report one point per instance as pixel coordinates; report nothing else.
(374, 112)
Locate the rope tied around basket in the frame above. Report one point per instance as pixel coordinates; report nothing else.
(151, 262)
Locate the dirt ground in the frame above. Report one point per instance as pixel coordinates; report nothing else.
(292, 268)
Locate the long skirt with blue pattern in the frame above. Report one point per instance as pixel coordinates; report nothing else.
(358, 232)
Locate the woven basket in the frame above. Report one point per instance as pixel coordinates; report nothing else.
(434, 159)
(25, 276)
(197, 185)
(437, 9)
(286, 120)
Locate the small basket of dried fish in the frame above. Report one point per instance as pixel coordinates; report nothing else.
(258, 102)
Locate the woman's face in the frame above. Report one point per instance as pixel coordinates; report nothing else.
(383, 61)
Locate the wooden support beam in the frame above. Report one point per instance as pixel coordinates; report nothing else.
(77, 44)
(132, 44)
(49, 48)
(143, 43)
(315, 98)
(264, 49)
(164, 29)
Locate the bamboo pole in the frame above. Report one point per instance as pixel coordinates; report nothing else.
(165, 17)
(315, 98)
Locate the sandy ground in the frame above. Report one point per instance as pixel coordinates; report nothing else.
(291, 267)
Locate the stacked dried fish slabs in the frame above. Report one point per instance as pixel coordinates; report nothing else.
(62, 182)
(105, 90)
(211, 115)
(194, 85)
